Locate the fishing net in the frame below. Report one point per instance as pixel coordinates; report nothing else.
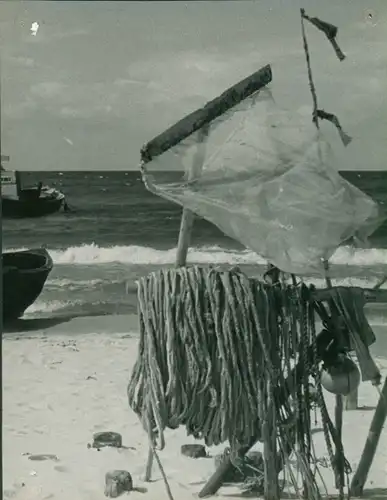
(266, 178)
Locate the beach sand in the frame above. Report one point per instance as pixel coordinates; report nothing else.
(63, 382)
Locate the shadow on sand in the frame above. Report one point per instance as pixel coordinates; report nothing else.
(375, 494)
(368, 494)
(73, 324)
(33, 324)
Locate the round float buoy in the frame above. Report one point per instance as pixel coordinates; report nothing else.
(340, 377)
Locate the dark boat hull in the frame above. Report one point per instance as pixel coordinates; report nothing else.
(24, 275)
(30, 208)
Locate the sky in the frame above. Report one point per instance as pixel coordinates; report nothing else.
(97, 80)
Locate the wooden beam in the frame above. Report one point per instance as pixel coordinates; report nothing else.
(205, 115)
(371, 295)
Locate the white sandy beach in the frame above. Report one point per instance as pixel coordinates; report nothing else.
(63, 383)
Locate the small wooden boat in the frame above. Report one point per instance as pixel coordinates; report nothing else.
(18, 201)
(24, 275)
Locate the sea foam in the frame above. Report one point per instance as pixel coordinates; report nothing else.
(140, 255)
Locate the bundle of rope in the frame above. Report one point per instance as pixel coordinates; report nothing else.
(207, 341)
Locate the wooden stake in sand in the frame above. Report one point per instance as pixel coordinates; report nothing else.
(188, 217)
(352, 400)
(360, 477)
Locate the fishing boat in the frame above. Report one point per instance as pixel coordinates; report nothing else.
(24, 275)
(19, 201)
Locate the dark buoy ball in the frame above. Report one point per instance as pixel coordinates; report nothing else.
(341, 378)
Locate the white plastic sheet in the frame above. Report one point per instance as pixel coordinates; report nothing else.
(267, 179)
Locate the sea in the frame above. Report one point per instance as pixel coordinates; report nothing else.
(86, 84)
(117, 231)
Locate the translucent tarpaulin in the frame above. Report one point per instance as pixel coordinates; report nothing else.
(266, 178)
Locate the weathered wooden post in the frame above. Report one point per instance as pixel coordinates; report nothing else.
(351, 401)
(360, 477)
(188, 217)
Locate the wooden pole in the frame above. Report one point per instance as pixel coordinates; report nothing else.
(186, 226)
(360, 477)
(188, 217)
(149, 465)
(339, 455)
(269, 433)
(352, 400)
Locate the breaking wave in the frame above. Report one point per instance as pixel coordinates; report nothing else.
(141, 255)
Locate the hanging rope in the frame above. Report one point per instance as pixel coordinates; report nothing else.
(212, 347)
(197, 327)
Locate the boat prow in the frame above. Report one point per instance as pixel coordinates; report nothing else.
(24, 275)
